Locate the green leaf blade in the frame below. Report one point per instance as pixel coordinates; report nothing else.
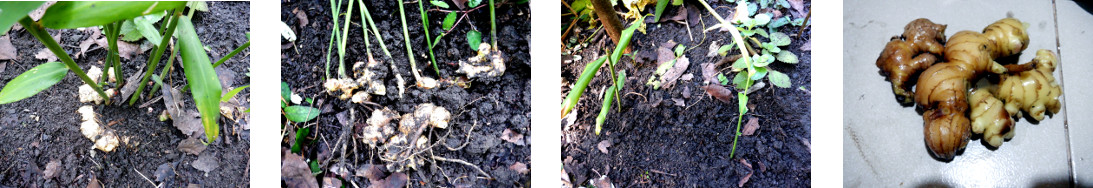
(474, 38)
(779, 79)
(787, 57)
(76, 14)
(33, 81)
(439, 3)
(12, 11)
(780, 39)
(228, 96)
(449, 21)
(202, 78)
(299, 113)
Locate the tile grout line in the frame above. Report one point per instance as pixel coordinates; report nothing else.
(1066, 121)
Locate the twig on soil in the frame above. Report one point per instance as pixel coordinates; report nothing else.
(661, 172)
(805, 25)
(145, 178)
(466, 140)
(439, 158)
(644, 99)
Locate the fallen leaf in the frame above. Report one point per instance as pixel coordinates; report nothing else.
(131, 83)
(681, 15)
(565, 180)
(670, 77)
(301, 17)
(192, 146)
(52, 168)
(296, 173)
(709, 72)
(513, 137)
(687, 92)
(372, 172)
(164, 171)
(44, 53)
(751, 126)
(602, 182)
(748, 176)
(94, 183)
(712, 50)
(125, 50)
(807, 46)
(187, 121)
(462, 4)
(798, 7)
(86, 44)
(7, 51)
(719, 92)
(603, 145)
(807, 143)
(665, 53)
(678, 102)
(329, 182)
(519, 167)
(207, 162)
(397, 179)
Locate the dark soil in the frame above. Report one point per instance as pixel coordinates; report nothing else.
(494, 105)
(45, 127)
(655, 143)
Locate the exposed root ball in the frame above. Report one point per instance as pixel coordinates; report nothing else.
(1033, 91)
(103, 138)
(369, 76)
(424, 115)
(487, 64)
(345, 86)
(990, 118)
(907, 55)
(379, 127)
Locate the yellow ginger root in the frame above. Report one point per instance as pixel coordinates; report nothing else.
(1033, 89)
(908, 54)
(990, 118)
(942, 89)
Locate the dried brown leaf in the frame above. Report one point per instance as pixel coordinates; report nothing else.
(519, 167)
(192, 146)
(44, 53)
(207, 162)
(719, 92)
(709, 72)
(7, 51)
(396, 180)
(678, 102)
(798, 7)
(603, 181)
(745, 179)
(669, 78)
(125, 50)
(52, 168)
(751, 126)
(296, 173)
(807, 46)
(603, 145)
(372, 172)
(513, 137)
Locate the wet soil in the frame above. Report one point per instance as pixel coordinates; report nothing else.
(494, 105)
(45, 127)
(655, 143)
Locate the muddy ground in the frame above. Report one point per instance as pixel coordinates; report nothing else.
(45, 128)
(656, 143)
(494, 105)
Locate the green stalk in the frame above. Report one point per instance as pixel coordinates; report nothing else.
(743, 105)
(333, 34)
(34, 28)
(493, 26)
(409, 50)
(167, 68)
(582, 83)
(345, 37)
(112, 41)
(107, 30)
(612, 93)
(154, 61)
(375, 31)
(230, 55)
(425, 25)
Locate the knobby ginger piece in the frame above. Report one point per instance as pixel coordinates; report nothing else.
(487, 64)
(905, 56)
(990, 118)
(1034, 91)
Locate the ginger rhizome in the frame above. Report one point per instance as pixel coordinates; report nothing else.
(908, 54)
(942, 89)
(1033, 89)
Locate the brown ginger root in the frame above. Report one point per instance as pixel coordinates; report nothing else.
(942, 89)
(1034, 90)
(990, 118)
(908, 54)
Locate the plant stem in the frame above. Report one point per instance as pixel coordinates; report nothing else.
(333, 34)
(409, 50)
(34, 28)
(167, 68)
(230, 55)
(375, 31)
(803, 26)
(112, 41)
(152, 63)
(739, 119)
(345, 37)
(493, 26)
(608, 18)
(428, 38)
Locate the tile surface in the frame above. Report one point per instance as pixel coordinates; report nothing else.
(883, 142)
(1076, 31)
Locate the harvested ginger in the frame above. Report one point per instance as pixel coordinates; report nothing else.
(1033, 89)
(906, 55)
(990, 118)
(942, 89)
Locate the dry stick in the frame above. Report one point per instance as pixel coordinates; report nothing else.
(145, 178)
(803, 26)
(439, 158)
(574, 22)
(609, 18)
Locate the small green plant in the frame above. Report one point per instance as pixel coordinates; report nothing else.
(618, 79)
(120, 21)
